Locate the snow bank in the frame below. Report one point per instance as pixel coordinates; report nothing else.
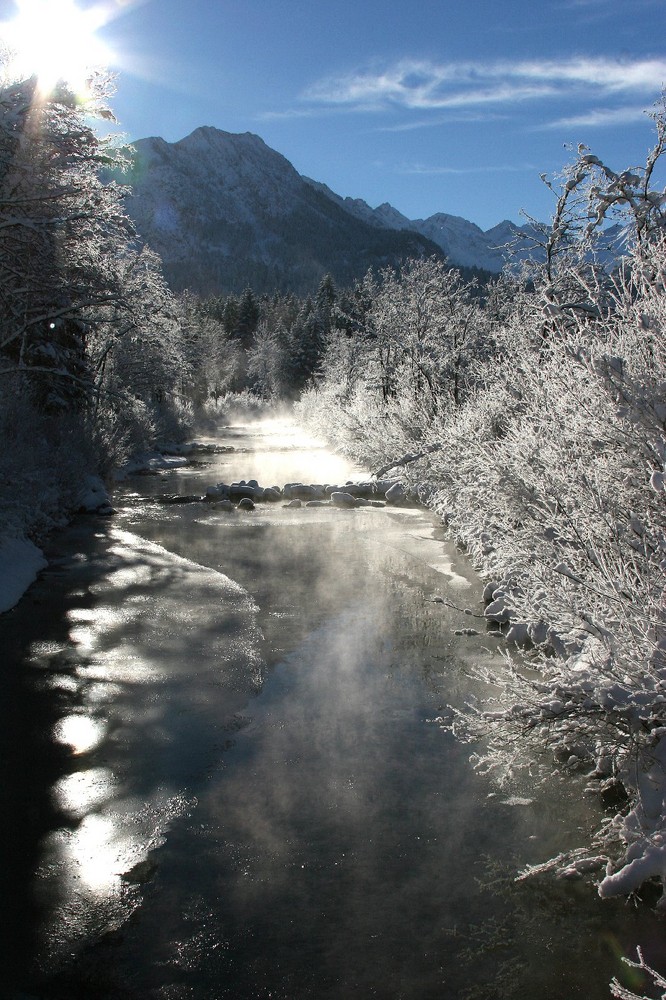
(20, 562)
(153, 461)
(643, 828)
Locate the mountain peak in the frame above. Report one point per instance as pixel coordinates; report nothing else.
(208, 135)
(225, 211)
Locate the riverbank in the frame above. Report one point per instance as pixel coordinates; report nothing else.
(536, 429)
(50, 472)
(572, 554)
(21, 559)
(53, 465)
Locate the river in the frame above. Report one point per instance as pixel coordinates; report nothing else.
(222, 777)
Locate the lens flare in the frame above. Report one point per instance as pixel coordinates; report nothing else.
(56, 41)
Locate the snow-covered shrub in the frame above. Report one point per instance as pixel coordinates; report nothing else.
(361, 425)
(564, 510)
(407, 357)
(551, 470)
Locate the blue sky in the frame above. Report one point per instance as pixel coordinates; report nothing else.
(432, 105)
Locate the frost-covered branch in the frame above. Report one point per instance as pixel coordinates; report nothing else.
(406, 460)
(657, 980)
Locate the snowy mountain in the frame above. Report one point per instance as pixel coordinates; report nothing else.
(225, 211)
(464, 243)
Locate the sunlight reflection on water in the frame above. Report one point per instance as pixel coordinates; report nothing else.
(95, 854)
(138, 635)
(80, 732)
(276, 451)
(313, 831)
(79, 792)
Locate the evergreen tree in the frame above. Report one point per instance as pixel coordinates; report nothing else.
(230, 315)
(326, 295)
(249, 313)
(308, 342)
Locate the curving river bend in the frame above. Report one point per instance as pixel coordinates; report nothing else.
(220, 779)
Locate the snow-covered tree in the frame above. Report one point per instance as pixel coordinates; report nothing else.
(403, 349)
(552, 471)
(60, 227)
(214, 357)
(269, 365)
(90, 351)
(564, 509)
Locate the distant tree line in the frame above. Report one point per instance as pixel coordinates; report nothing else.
(281, 344)
(271, 345)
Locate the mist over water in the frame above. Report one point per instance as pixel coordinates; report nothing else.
(243, 794)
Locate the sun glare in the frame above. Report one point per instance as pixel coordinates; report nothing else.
(56, 41)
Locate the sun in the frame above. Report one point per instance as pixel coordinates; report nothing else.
(56, 41)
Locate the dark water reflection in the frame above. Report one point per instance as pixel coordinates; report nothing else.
(240, 795)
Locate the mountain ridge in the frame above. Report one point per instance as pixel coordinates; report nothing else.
(224, 210)
(463, 242)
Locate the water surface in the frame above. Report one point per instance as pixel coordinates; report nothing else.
(225, 780)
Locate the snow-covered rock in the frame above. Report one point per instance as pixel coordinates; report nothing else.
(245, 491)
(152, 461)
(93, 497)
(219, 495)
(396, 494)
(300, 491)
(340, 498)
(218, 492)
(498, 610)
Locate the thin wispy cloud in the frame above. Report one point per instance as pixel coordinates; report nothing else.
(426, 170)
(289, 113)
(606, 9)
(425, 85)
(599, 118)
(466, 118)
(590, 9)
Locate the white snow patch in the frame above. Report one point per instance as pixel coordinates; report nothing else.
(93, 495)
(152, 461)
(20, 562)
(644, 830)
